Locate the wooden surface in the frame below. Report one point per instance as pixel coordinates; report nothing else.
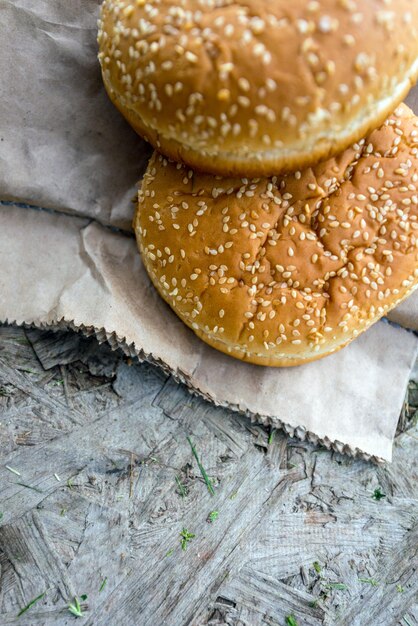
(99, 443)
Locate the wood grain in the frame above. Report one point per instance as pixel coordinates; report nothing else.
(100, 445)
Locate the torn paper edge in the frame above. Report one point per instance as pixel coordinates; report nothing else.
(118, 343)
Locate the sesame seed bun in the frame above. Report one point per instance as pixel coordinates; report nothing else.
(257, 87)
(283, 270)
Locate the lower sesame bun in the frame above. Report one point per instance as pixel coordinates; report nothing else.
(282, 271)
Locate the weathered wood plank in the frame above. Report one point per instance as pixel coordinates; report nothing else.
(24, 384)
(270, 598)
(36, 566)
(400, 567)
(171, 591)
(282, 504)
(72, 452)
(55, 348)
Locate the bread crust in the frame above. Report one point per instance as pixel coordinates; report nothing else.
(253, 88)
(285, 270)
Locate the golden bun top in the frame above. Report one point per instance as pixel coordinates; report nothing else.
(283, 270)
(257, 87)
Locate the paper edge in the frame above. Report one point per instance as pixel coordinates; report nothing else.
(119, 343)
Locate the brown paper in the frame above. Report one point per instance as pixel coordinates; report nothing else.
(63, 146)
(60, 270)
(406, 314)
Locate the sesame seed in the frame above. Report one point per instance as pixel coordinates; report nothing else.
(224, 95)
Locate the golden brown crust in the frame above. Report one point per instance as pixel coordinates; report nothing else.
(223, 165)
(256, 88)
(281, 271)
(267, 361)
